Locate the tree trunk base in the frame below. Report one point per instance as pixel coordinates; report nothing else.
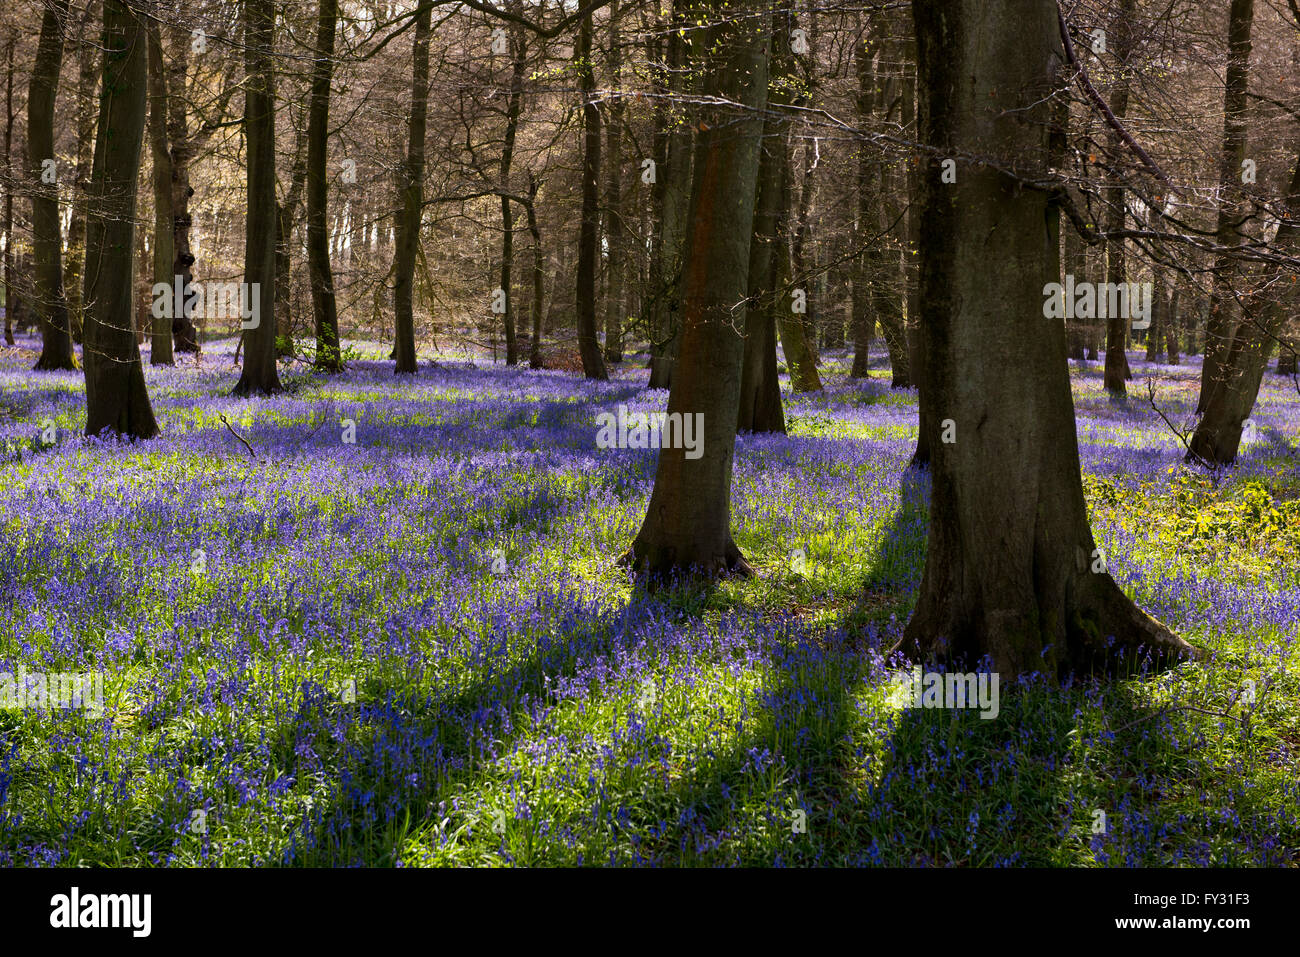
(661, 565)
(1096, 629)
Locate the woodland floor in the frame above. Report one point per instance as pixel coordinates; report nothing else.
(546, 711)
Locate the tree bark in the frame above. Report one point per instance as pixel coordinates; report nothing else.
(87, 79)
(1009, 564)
(671, 196)
(259, 374)
(513, 106)
(539, 275)
(615, 313)
(688, 522)
(760, 386)
(11, 292)
(1116, 372)
(164, 247)
(408, 224)
(324, 308)
(593, 365)
(47, 238)
(1219, 326)
(116, 397)
(185, 334)
(1235, 387)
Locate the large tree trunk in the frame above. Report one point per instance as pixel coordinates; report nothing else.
(408, 224)
(1009, 569)
(116, 397)
(1232, 211)
(688, 522)
(47, 238)
(672, 202)
(324, 308)
(593, 365)
(164, 248)
(87, 79)
(1235, 387)
(259, 374)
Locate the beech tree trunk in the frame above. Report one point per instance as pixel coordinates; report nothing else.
(259, 374)
(593, 365)
(164, 247)
(615, 313)
(116, 397)
(1235, 387)
(408, 224)
(87, 79)
(688, 522)
(47, 238)
(760, 386)
(185, 335)
(1232, 206)
(1116, 374)
(539, 276)
(672, 196)
(513, 106)
(1009, 569)
(11, 292)
(1172, 323)
(324, 308)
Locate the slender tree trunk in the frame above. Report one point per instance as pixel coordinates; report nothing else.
(1286, 360)
(864, 320)
(1116, 372)
(799, 356)
(513, 106)
(1232, 211)
(47, 238)
(185, 334)
(798, 331)
(87, 79)
(539, 276)
(760, 386)
(1010, 569)
(116, 397)
(164, 249)
(593, 366)
(1172, 327)
(672, 201)
(688, 521)
(408, 225)
(259, 374)
(286, 214)
(11, 295)
(614, 225)
(1159, 317)
(324, 308)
